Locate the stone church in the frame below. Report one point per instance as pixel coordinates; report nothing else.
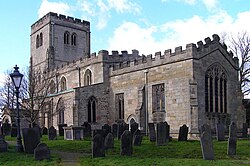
(192, 86)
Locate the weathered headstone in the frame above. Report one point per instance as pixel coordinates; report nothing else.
(206, 143)
(86, 129)
(232, 140)
(114, 129)
(152, 134)
(126, 143)
(98, 149)
(6, 127)
(167, 131)
(183, 133)
(109, 141)
(3, 145)
(98, 131)
(133, 127)
(207, 128)
(106, 129)
(244, 130)
(60, 129)
(31, 138)
(44, 131)
(41, 152)
(52, 133)
(13, 131)
(161, 133)
(137, 138)
(220, 132)
(121, 128)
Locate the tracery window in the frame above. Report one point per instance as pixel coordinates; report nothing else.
(158, 95)
(119, 104)
(92, 104)
(66, 37)
(63, 84)
(216, 90)
(73, 39)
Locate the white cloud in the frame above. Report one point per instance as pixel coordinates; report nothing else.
(130, 36)
(123, 6)
(210, 4)
(57, 7)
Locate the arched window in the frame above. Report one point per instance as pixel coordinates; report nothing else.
(119, 104)
(52, 87)
(216, 90)
(60, 110)
(87, 78)
(158, 95)
(73, 39)
(37, 41)
(92, 104)
(66, 37)
(41, 39)
(63, 84)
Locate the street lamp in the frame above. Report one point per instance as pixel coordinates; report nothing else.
(16, 78)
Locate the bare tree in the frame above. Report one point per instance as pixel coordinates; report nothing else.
(240, 46)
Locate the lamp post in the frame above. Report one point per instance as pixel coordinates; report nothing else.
(16, 78)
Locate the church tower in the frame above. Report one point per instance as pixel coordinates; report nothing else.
(57, 39)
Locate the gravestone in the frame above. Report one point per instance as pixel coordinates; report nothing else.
(86, 129)
(244, 130)
(133, 127)
(60, 129)
(98, 149)
(161, 133)
(31, 138)
(52, 133)
(232, 140)
(6, 127)
(13, 131)
(183, 133)
(106, 129)
(137, 138)
(206, 143)
(98, 131)
(114, 129)
(41, 152)
(207, 128)
(39, 129)
(152, 134)
(220, 132)
(3, 145)
(167, 132)
(44, 131)
(121, 128)
(126, 143)
(109, 141)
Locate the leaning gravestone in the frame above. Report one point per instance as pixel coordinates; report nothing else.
(137, 138)
(232, 140)
(152, 134)
(244, 130)
(206, 143)
(52, 133)
(86, 129)
(183, 133)
(98, 149)
(133, 127)
(3, 145)
(121, 128)
(106, 129)
(31, 138)
(126, 143)
(109, 141)
(41, 152)
(161, 133)
(220, 132)
(168, 138)
(114, 129)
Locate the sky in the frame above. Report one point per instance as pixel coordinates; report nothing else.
(146, 25)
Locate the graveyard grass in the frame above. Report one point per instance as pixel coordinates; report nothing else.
(173, 153)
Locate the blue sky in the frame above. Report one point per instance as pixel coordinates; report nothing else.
(146, 25)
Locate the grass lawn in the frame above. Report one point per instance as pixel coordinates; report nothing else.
(174, 153)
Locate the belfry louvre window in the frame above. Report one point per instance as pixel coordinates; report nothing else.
(119, 104)
(216, 90)
(158, 98)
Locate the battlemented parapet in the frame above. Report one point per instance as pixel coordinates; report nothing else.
(192, 51)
